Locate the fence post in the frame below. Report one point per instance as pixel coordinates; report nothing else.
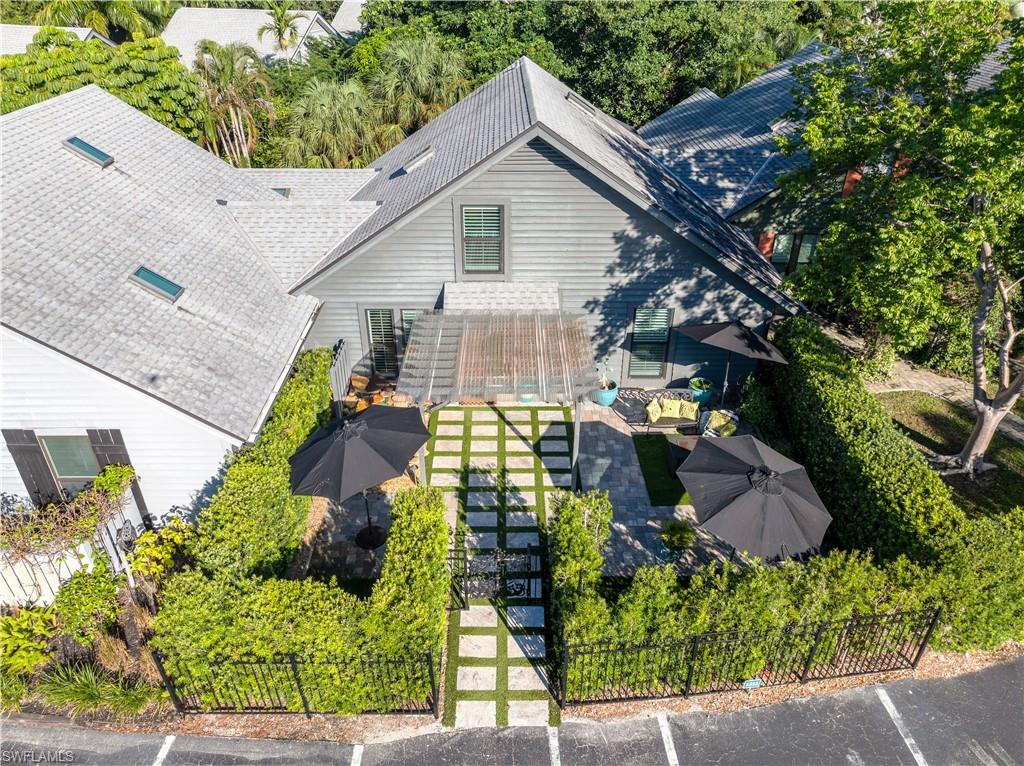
(172, 690)
(694, 646)
(927, 637)
(298, 684)
(814, 650)
(563, 677)
(433, 683)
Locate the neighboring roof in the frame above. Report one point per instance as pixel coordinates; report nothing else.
(15, 38)
(238, 25)
(523, 99)
(501, 296)
(74, 232)
(312, 184)
(725, 147)
(346, 20)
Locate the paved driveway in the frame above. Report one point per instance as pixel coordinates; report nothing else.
(973, 720)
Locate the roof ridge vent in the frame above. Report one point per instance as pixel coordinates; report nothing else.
(87, 151)
(418, 159)
(581, 103)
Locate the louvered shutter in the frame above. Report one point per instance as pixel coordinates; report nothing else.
(482, 239)
(649, 346)
(380, 324)
(109, 447)
(35, 472)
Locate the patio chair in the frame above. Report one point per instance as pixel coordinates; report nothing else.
(718, 423)
(657, 410)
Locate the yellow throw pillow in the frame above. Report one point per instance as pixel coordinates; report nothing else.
(689, 410)
(721, 423)
(670, 407)
(653, 411)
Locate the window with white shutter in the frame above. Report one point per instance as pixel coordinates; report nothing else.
(649, 346)
(482, 239)
(380, 326)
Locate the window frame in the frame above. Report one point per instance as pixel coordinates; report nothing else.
(663, 368)
(397, 326)
(504, 205)
(59, 478)
(151, 288)
(796, 244)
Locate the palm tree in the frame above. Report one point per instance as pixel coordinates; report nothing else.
(417, 80)
(332, 125)
(111, 18)
(236, 89)
(283, 24)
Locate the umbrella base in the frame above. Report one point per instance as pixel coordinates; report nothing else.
(370, 537)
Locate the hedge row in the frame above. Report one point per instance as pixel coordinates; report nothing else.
(878, 487)
(205, 619)
(253, 524)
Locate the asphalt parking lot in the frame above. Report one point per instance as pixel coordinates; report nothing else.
(973, 719)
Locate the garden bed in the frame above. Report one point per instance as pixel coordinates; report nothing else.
(942, 427)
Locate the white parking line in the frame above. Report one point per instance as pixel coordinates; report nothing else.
(556, 757)
(357, 755)
(666, 740)
(897, 719)
(165, 748)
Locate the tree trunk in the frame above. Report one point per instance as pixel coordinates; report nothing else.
(985, 427)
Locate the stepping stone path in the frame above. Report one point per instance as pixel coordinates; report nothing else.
(502, 464)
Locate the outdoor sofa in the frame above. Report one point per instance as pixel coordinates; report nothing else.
(655, 409)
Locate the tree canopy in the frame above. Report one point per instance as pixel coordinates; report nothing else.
(145, 74)
(934, 232)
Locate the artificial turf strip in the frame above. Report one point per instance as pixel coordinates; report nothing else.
(501, 695)
(663, 487)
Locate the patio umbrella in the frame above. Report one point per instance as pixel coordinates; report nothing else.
(734, 337)
(347, 457)
(752, 497)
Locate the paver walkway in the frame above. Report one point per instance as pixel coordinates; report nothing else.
(498, 468)
(959, 392)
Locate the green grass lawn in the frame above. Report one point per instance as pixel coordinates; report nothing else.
(943, 428)
(663, 488)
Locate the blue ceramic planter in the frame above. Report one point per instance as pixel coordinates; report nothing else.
(701, 396)
(605, 396)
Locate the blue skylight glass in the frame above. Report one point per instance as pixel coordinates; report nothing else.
(284, 191)
(159, 284)
(90, 152)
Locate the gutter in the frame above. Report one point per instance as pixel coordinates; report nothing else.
(265, 412)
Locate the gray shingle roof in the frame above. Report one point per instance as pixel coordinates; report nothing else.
(312, 184)
(519, 98)
(992, 65)
(725, 147)
(73, 233)
(346, 20)
(237, 25)
(15, 38)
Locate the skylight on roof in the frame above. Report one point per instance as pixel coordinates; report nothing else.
(87, 151)
(418, 159)
(284, 191)
(156, 283)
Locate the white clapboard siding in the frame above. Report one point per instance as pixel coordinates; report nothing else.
(178, 458)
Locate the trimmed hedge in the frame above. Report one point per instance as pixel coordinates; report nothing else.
(879, 489)
(206, 619)
(253, 524)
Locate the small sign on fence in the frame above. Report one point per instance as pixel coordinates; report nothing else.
(752, 683)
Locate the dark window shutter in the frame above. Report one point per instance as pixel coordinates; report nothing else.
(110, 449)
(35, 471)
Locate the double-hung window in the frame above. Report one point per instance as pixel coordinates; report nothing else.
(72, 461)
(483, 240)
(649, 346)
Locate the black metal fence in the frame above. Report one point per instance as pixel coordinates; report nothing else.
(288, 683)
(495, 575)
(733, 660)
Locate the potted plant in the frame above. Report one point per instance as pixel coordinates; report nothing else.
(607, 389)
(701, 390)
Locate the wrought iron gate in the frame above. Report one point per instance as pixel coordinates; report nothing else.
(495, 575)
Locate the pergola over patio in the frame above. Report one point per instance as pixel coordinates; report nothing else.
(500, 358)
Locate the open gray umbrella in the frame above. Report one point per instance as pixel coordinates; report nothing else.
(754, 498)
(347, 457)
(736, 338)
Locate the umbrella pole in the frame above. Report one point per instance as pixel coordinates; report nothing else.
(370, 536)
(725, 383)
(366, 502)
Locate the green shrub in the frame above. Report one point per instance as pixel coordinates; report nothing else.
(157, 552)
(253, 524)
(879, 489)
(86, 605)
(14, 689)
(677, 535)
(23, 640)
(84, 688)
(204, 620)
